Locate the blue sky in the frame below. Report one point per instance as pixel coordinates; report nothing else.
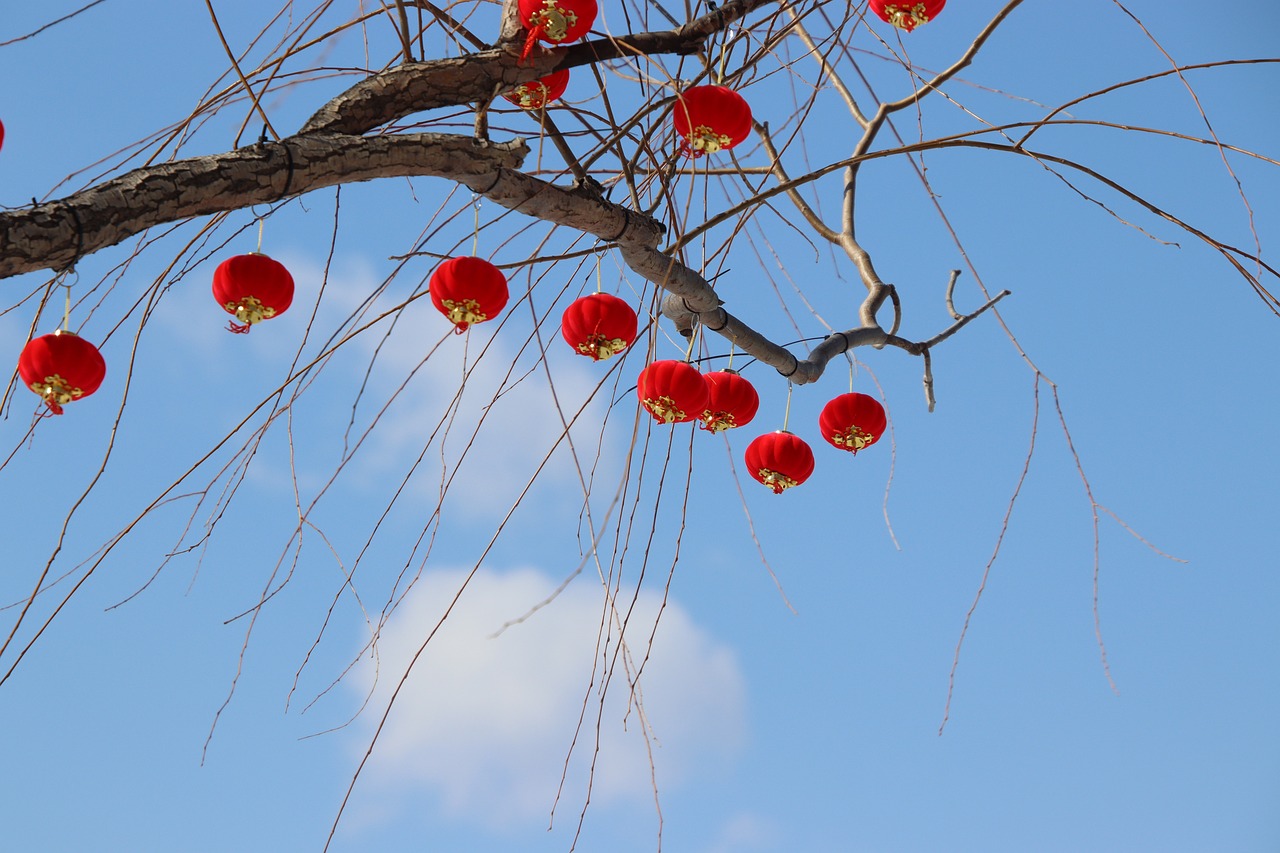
(768, 728)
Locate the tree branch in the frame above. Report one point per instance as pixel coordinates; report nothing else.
(418, 86)
(775, 166)
(56, 234)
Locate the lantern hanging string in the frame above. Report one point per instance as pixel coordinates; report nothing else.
(693, 339)
(786, 412)
(259, 249)
(718, 77)
(724, 51)
(66, 307)
(542, 132)
(63, 279)
(475, 237)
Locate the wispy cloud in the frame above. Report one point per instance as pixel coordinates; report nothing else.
(465, 405)
(483, 404)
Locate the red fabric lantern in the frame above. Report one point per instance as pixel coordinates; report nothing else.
(672, 391)
(253, 288)
(468, 290)
(1, 134)
(907, 15)
(599, 325)
(555, 21)
(61, 367)
(731, 401)
(779, 460)
(852, 422)
(711, 119)
(536, 94)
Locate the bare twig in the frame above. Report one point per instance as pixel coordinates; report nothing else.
(951, 288)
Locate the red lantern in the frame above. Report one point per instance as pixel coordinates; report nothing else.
(1, 134)
(468, 290)
(61, 367)
(852, 422)
(779, 460)
(731, 401)
(536, 94)
(907, 15)
(253, 288)
(710, 118)
(555, 21)
(599, 325)
(672, 391)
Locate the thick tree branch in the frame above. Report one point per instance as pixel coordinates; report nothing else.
(56, 234)
(418, 86)
(580, 208)
(840, 342)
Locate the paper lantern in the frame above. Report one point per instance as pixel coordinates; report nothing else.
(672, 391)
(711, 119)
(907, 16)
(732, 401)
(555, 21)
(61, 367)
(1, 134)
(779, 460)
(599, 325)
(253, 288)
(852, 422)
(536, 94)
(468, 290)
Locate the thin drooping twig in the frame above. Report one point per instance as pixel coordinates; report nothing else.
(406, 41)
(986, 570)
(1097, 539)
(235, 64)
(38, 30)
(1204, 116)
(449, 21)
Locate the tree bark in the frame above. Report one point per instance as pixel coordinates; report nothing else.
(56, 234)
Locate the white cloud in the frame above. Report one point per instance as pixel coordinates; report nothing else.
(746, 831)
(484, 722)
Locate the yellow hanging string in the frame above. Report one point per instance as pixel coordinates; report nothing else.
(258, 251)
(693, 338)
(724, 45)
(475, 237)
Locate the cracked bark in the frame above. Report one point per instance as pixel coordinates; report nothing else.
(56, 234)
